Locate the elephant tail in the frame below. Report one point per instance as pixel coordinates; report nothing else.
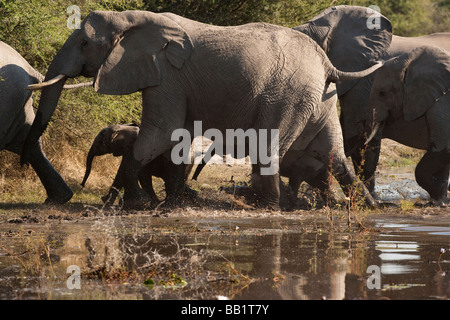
(336, 75)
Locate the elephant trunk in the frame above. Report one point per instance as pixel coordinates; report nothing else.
(90, 158)
(65, 64)
(47, 105)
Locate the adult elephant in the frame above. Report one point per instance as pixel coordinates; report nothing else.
(17, 115)
(357, 116)
(317, 159)
(118, 140)
(331, 30)
(255, 76)
(414, 88)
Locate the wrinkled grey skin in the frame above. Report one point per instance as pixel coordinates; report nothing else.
(311, 159)
(252, 76)
(329, 30)
(414, 88)
(16, 117)
(118, 140)
(317, 161)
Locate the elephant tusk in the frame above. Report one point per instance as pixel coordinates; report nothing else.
(38, 86)
(78, 85)
(374, 132)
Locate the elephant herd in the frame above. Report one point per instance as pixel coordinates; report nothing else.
(255, 76)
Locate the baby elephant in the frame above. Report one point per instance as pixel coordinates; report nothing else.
(118, 140)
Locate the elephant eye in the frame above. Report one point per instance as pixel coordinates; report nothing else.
(382, 93)
(83, 43)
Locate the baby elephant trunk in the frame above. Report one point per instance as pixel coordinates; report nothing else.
(89, 160)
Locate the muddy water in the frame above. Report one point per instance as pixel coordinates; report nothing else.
(278, 257)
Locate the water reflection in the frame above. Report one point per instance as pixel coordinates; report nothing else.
(395, 251)
(239, 259)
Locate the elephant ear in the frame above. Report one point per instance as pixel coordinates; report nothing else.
(426, 80)
(122, 140)
(353, 38)
(141, 46)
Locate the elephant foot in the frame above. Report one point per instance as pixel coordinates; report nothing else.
(361, 195)
(443, 202)
(272, 206)
(375, 196)
(189, 193)
(370, 202)
(136, 204)
(267, 189)
(138, 201)
(268, 203)
(173, 201)
(60, 197)
(108, 199)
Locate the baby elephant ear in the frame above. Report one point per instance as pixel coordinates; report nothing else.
(140, 51)
(426, 80)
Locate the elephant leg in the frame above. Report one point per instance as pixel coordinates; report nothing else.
(311, 171)
(57, 190)
(331, 153)
(294, 184)
(321, 182)
(116, 186)
(432, 174)
(350, 184)
(365, 161)
(134, 197)
(328, 148)
(188, 192)
(145, 179)
(267, 187)
(174, 182)
(55, 186)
